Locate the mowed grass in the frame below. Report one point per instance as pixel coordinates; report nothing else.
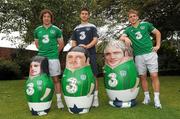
(13, 104)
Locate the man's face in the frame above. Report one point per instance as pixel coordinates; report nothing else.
(75, 60)
(35, 68)
(133, 18)
(84, 15)
(113, 56)
(46, 19)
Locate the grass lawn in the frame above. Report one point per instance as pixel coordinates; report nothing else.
(13, 104)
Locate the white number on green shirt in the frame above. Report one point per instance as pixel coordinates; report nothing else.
(138, 35)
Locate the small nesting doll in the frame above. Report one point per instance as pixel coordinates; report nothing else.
(120, 75)
(78, 81)
(39, 87)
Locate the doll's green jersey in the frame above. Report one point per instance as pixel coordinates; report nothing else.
(35, 88)
(121, 77)
(78, 82)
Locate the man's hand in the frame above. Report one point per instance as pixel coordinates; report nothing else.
(155, 49)
(127, 42)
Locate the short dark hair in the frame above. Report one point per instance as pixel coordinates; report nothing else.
(44, 12)
(80, 49)
(44, 63)
(85, 9)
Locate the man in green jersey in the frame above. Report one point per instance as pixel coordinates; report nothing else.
(138, 36)
(49, 41)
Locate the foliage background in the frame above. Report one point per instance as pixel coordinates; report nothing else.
(23, 16)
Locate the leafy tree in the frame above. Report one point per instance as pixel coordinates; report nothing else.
(23, 15)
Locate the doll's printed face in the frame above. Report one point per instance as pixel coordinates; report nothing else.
(113, 56)
(35, 68)
(75, 60)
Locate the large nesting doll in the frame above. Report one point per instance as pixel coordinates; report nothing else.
(39, 87)
(78, 81)
(121, 79)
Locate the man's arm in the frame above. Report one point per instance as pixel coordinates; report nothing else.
(126, 40)
(74, 43)
(158, 39)
(60, 43)
(36, 43)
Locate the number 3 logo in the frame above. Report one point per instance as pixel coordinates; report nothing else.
(72, 86)
(138, 35)
(112, 81)
(82, 35)
(30, 89)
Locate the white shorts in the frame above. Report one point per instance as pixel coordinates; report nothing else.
(54, 67)
(147, 62)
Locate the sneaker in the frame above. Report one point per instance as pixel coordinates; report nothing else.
(42, 113)
(84, 111)
(60, 104)
(95, 102)
(146, 101)
(157, 104)
(111, 103)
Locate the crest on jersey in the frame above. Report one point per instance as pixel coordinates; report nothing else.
(87, 29)
(39, 84)
(142, 27)
(52, 31)
(123, 73)
(83, 77)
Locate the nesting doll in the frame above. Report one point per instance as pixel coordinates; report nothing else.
(78, 82)
(120, 75)
(39, 87)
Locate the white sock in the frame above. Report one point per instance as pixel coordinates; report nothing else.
(157, 100)
(156, 95)
(146, 94)
(96, 93)
(58, 95)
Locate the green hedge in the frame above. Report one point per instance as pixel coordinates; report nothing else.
(9, 70)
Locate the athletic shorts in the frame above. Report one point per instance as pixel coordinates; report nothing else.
(147, 62)
(54, 67)
(93, 64)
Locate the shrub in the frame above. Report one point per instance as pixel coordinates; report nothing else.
(22, 57)
(9, 70)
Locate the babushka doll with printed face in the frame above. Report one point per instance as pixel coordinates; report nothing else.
(120, 75)
(78, 81)
(39, 87)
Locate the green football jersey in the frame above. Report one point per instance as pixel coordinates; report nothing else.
(78, 82)
(121, 77)
(47, 41)
(35, 88)
(140, 37)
